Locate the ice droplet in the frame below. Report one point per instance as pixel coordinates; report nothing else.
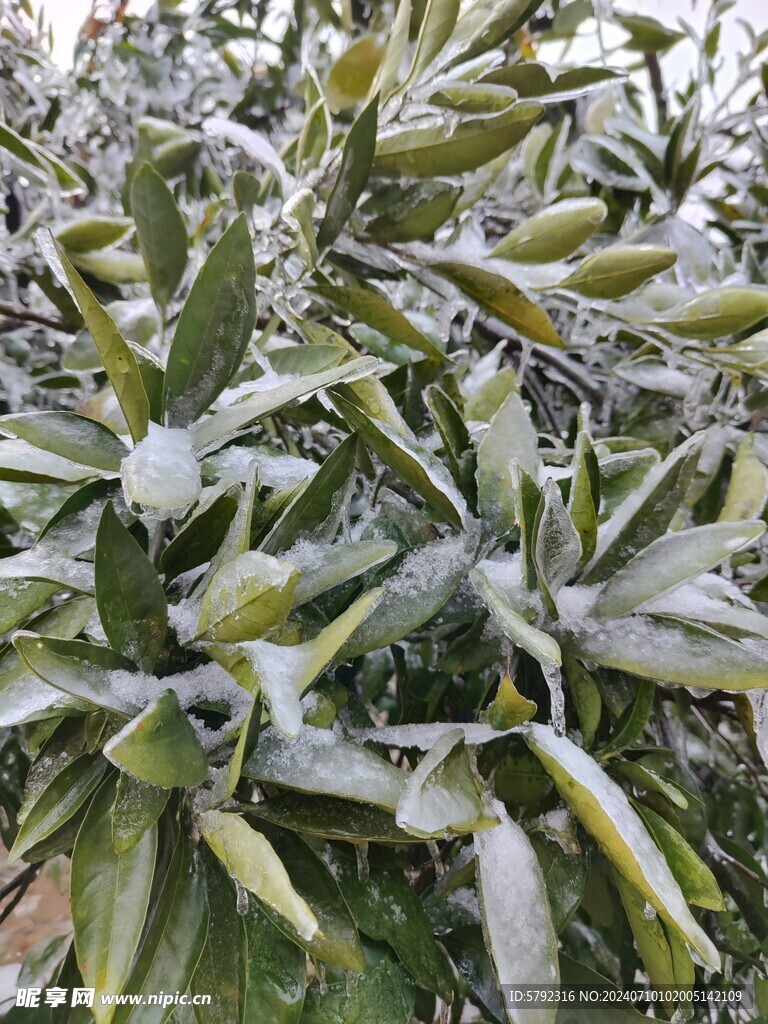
(649, 912)
(557, 697)
(242, 899)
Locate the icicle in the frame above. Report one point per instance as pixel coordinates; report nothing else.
(445, 1013)
(363, 868)
(242, 899)
(556, 696)
(352, 978)
(649, 912)
(525, 353)
(322, 984)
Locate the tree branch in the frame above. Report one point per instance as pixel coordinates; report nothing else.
(28, 316)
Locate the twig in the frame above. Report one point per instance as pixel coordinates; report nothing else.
(20, 883)
(657, 84)
(27, 315)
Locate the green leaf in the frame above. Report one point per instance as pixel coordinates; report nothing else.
(694, 877)
(330, 818)
(537, 80)
(671, 560)
(356, 161)
(58, 803)
(374, 904)
(376, 311)
(675, 651)
(413, 463)
(618, 270)
(553, 233)
(437, 24)
(70, 436)
(428, 152)
(337, 564)
(248, 598)
(136, 809)
(110, 897)
(650, 937)
(500, 298)
(557, 545)
(94, 233)
(249, 857)
(160, 746)
(78, 668)
(647, 34)
(748, 487)
(510, 437)
(40, 161)
(116, 357)
(715, 313)
(385, 994)
(115, 267)
(214, 430)
(221, 969)
(483, 25)
(276, 973)
(202, 535)
(320, 761)
(645, 779)
(413, 213)
(604, 811)
(632, 723)
(585, 696)
(173, 943)
(352, 74)
(129, 595)
(422, 583)
(441, 795)
(645, 513)
(517, 920)
(214, 328)
(161, 232)
(336, 941)
(509, 707)
(535, 641)
(282, 675)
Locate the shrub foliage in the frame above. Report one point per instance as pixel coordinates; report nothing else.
(381, 491)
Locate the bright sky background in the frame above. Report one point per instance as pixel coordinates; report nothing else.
(66, 17)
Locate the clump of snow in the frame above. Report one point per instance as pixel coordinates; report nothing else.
(161, 475)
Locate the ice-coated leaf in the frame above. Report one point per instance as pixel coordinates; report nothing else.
(172, 944)
(554, 232)
(161, 231)
(484, 24)
(694, 877)
(161, 475)
(324, 567)
(437, 23)
(378, 312)
(112, 267)
(510, 437)
(320, 761)
(129, 595)
(336, 941)
(214, 328)
(747, 492)
(91, 233)
(414, 463)
(557, 545)
(281, 675)
(78, 668)
(441, 795)
(352, 74)
(671, 649)
(584, 496)
(645, 513)
(536, 642)
(603, 809)
(388, 71)
(221, 970)
(249, 857)
(538, 81)
(110, 896)
(671, 560)
(500, 298)
(509, 707)
(331, 818)
(136, 809)
(412, 213)
(43, 163)
(386, 908)
(517, 921)
(21, 462)
(412, 594)
(60, 800)
(649, 935)
(257, 147)
(160, 746)
(69, 436)
(356, 160)
(384, 994)
(715, 313)
(116, 357)
(618, 270)
(212, 432)
(276, 976)
(426, 152)
(318, 504)
(248, 598)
